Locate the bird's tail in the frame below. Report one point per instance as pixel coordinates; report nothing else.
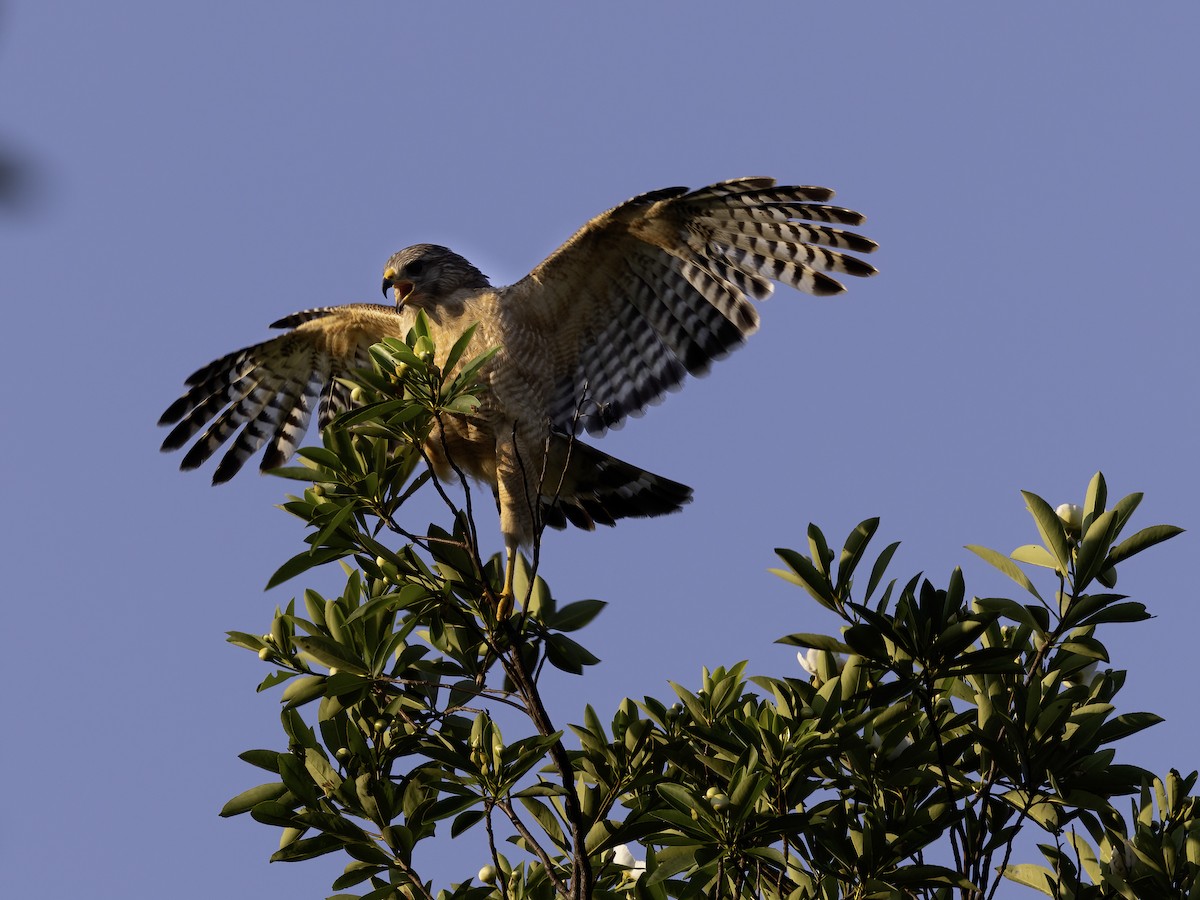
(599, 489)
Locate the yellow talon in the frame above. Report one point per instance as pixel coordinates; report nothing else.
(504, 603)
(504, 606)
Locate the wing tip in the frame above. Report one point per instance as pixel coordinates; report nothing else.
(174, 413)
(225, 471)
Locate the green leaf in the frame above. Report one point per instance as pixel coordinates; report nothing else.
(575, 615)
(866, 641)
(1094, 548)
(879, 568)
(929, 875)
(1086, 646)
(805, 574)
(394, 412)
(1131, 611)
(746, 790)
(671, 861)
(322, 457)
(302, 562)
(543, 789)
(331, 528)
(454, 804)
(264, 759)
(547, 821)
(1122, 726)
(356, 873)
(1051, 528)
(303, 690)
(408, 594)
(815, 641)
(565, 654)
(1125, 507)
(957, 637)
(990, 660)
(458, 349)
(464, 404)
(301, 473)
(1037, 877)
(277, 677)
(1035, 555)
(248, 799)
(370, 853)
(464, 821)
(1011, 609)
(1005, 565)
(822, 556)
(1097, 498)
(330, 653)
(251, 642)
(681, 798)
(466, 375)
(1084, 605)
(1147, 537)
(852, 552)
(270, 812)
(323, 774)
(308, 848)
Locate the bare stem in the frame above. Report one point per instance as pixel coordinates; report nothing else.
(581, 877)
(537, 848)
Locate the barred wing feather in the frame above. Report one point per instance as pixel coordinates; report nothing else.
(660, 286)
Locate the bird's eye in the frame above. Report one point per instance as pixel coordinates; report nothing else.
(416, 267)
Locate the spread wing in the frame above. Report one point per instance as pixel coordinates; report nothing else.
(657, 288)
(266, 394)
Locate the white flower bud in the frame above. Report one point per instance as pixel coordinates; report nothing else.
(812, 661)
(808, 660)
(623, 857)
(1072, 516)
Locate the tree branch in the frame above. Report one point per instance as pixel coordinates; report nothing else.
(537, 848)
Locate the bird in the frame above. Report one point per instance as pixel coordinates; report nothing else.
(639, 298)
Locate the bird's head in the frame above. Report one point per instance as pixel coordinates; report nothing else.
(425, 274)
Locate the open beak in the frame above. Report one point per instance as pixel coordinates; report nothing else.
(402, 288)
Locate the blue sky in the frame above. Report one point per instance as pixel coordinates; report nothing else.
(200, 170)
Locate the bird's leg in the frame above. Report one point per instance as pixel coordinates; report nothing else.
(504, 603)
(513, 500)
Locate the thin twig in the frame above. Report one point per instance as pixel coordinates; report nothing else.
(926, 698)
(508, 810)
(581, 879)
(491, 836)
(414, 878)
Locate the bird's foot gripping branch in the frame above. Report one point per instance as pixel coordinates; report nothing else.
(933, 725)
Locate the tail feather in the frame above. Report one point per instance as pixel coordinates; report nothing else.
(598, 489)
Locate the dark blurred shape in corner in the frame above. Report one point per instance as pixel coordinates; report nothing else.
(21, 188)
(22, 185)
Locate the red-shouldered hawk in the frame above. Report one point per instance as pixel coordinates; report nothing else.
(640, 297)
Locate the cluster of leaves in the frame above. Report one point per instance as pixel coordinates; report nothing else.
(992, 714)
(933, 729)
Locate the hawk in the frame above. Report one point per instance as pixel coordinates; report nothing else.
(640, 297)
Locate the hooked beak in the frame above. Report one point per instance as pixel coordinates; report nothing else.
(402, 288)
